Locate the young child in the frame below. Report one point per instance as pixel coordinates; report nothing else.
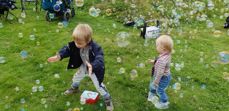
(161, 75)
(86, 55)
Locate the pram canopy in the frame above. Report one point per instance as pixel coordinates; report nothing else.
(6, 5)
(50, 4)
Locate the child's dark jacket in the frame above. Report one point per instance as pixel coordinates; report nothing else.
(95, 56)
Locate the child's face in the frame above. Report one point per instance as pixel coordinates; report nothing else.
(80, 43)
(159, 48)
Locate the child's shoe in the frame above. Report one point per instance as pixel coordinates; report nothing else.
(153, 99)
(160, 105)
(109, 104)
(71, 91)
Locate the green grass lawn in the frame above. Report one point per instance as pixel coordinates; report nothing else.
(202, 84)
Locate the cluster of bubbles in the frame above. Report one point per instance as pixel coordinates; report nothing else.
(179, 66)
(39, 88)
(94, 12)
(173, 13)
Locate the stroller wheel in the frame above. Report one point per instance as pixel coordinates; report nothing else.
(66, 16)
(47, 17)
(73, 12)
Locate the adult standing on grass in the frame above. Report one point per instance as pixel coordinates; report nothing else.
(88, 56)
(161, 75)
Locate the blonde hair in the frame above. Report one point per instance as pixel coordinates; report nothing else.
(82, 32)
(164, 43)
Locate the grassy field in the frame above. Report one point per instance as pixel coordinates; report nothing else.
(203, 87)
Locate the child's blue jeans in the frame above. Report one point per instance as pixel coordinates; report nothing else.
(160, 90)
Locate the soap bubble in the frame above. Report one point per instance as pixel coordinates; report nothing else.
(24, 54)
(43, 101)
(1, 25)
(60, 25)
(23, 15)
(68, 103)
(2, 60)
(7, 106)
(217, 33)
(93, 12)
(108, 12)
(46, 106)
(224, 56)
(37, 81)
(22, 109)
(209, 23)
(121, 39)
(176, 86)
(57, 30)
(57, 76)
(133, 74)
(76, 109)
(41, 88)
(38, 43)
(22, 100)
(119, 60)
(200, 6)
(79, 3)
(21, 21)
(226, 1)
(114, 25)
(17, 89)
(51, 15)
(201, 60)
(34, 89)
(226, 76)
(32, 37)
(210, 5)
(121, 70)
(141, 65)
(181, 95)
(10, 17)
(20, 35)
(133, 5)
(177, 67)
(101, 104)
(203, 86)
(65, 23)
(37, 17)
(139, 22)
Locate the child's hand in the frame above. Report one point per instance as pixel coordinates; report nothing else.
(89, 68)
(151, 61)
(155, 84)
(54, 58)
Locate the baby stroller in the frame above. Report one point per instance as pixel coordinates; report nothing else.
(58, 8)
(6, 6)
